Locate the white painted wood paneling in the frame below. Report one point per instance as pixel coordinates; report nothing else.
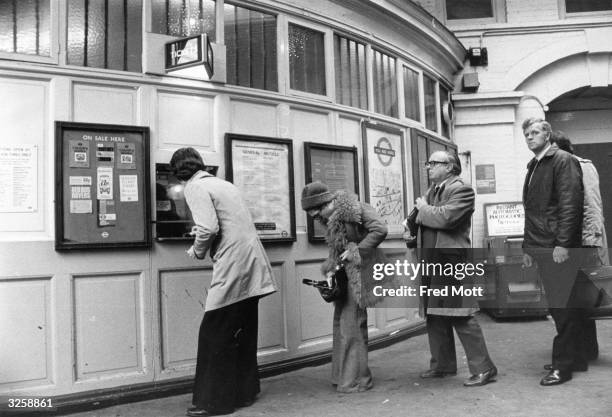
(311, 125)
(253, 118)
(104, 104)
(107, 325)
(26, 97)
(182, 301)
(272, 315)
(185, 120)
(316, 316)
(25, 332)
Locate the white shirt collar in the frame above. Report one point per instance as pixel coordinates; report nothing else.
(543, 152)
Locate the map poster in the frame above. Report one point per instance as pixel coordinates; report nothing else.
(384, 179)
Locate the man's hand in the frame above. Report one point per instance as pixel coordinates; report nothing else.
(420, 203)
(191, 253)
(560, 254)
(527, 261)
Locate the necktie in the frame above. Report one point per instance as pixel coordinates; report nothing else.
(436, 193)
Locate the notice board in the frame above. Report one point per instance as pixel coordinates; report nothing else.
(335, 166)
(102, 186)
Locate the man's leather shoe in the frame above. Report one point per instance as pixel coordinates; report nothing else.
(434, 373)
(481, 379)
(202, 412)
(582, 368)
(555, 377)
(197, 412)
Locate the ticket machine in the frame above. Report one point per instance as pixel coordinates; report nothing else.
(510, 290)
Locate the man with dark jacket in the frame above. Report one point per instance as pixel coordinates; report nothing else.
(553, 197)
(444, 217)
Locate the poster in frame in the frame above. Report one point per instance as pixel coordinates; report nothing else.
(102, 192)
(384, 172)
(505, 219)
(262, 168)
(337, 167)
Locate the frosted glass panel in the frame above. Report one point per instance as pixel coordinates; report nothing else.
(431, 122)
(184, 17)
(105, 34)
(306, 59)
(25, 27)
(350, 68)
(385, 84)
(250, 39)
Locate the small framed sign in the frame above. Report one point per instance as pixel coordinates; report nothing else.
(189, 52)
(505, 219)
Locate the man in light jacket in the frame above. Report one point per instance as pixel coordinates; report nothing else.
(594, 239)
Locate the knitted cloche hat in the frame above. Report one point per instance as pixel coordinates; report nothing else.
(315, 194)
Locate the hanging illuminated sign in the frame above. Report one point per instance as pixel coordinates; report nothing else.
(190, 52)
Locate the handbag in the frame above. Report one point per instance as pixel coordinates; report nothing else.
(333, 290)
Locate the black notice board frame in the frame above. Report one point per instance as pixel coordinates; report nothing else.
(309, 147)
(130, 161)
(233, 172)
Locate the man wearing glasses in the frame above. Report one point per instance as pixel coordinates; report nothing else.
(444, 217)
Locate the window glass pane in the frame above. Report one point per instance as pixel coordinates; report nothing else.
(411, 94)
(183, 17)
(422, 170)
(306, 60)
(25, 27)
(468, 9)
(105, 34)
(250, 40)
(350, 69)
(577, 6)
(385, 84)
(430, 103)
(443, 100)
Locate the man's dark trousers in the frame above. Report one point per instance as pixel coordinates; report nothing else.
(558, 278)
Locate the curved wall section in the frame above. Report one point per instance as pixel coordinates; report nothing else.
(82, 321)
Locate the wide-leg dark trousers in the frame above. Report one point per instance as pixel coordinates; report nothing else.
(442, 343)
(226, 370)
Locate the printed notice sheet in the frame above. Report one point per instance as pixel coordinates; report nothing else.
(261, 172)
(128, 187)
(18, 176)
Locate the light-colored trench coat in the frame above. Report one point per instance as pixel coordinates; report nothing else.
(241, 268)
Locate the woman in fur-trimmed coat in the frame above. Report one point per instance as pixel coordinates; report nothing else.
(351, 225)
